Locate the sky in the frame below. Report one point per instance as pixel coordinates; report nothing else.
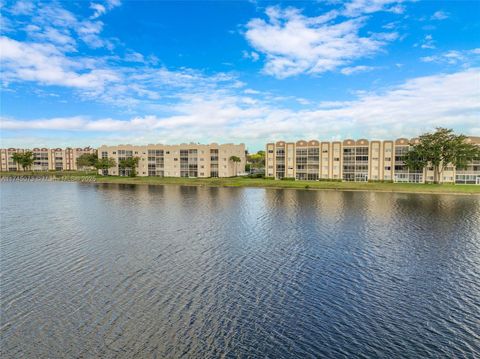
(79, 73)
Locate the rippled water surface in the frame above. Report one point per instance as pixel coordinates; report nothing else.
(118, 271)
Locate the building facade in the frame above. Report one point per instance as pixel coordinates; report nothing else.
(356, 160)
(45, 159)
(184, 160)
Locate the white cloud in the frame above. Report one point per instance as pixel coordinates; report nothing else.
(134, 57)
(51, 57)
(356, 69)
(22, 8)
(99, 10)
(359, 7)
(59, 37)
(250, 55)
(45, 64)
(428, 42)
(96, 79)
(466, 58)
(251, 92)
(51, 22)
(295, 44)
(439, 15)
(419, 104)
(113, 3)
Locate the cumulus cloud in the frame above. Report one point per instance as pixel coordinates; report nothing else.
(294, 43)
(419, 104)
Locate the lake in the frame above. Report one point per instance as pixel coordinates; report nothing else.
(124, 271)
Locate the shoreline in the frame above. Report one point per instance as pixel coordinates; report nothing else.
(235, 182)
(310, 188)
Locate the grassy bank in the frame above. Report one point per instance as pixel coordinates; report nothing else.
(265, 183)
(318, 185)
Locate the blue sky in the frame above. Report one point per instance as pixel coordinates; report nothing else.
(108, 72)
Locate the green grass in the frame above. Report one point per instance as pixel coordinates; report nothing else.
(269, 183)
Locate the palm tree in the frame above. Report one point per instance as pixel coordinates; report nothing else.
(235, 160)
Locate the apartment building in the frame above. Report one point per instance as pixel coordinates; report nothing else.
(356, 160)
(184, 160)
(45, 159)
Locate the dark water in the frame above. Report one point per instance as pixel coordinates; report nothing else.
(112, 271)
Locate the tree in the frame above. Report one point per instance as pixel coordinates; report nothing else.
(25, 160)
(87, 160)
(257, 160)
(440, 149)
(130, 163)
(235, 160)
(104, 163)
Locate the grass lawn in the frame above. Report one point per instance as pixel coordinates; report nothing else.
(266, 183)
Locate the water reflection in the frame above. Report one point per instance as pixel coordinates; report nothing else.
(143, 271)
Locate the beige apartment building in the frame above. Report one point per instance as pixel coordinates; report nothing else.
(361, 160)
(184, 160)
(45, 159)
